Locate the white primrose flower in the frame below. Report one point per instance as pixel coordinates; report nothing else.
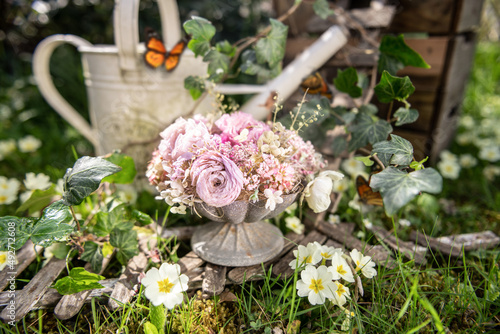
(273, 198)
(363, 263)
(467, 161)
(306, 255)
(404, 222)
(490, 172)
(447, 155)
(294, 224)
(317, 192)
(368, 224)
(340, 268)
(127, 193)
(8, 190)
(353, 167)
(341, 294)
(165, 286)
(5, 260)
(465, 138)
(449, 169)
(292, 208)
(316, 284)
(341, 186)
(327, 252)
(334, 219)
(467, 122)
(37, 181)
(29, 144)
(490, 153)
(7, 147)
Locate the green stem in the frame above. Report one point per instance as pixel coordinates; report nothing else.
(74, 217)
(390, 111)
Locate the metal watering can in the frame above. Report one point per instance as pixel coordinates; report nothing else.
(129, 103)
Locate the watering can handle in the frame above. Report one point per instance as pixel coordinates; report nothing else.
(41, 70)
(126, 29)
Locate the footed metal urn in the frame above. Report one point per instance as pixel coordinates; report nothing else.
(237, 235)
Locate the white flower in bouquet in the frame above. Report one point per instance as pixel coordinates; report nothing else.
(29, 144)
(317, 192)
(165, 285)
(316, 285)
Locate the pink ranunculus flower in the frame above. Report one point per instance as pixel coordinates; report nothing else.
(232, 124)
(183, 138)
(217, 179)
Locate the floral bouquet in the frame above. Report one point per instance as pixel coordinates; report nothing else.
(236, 158)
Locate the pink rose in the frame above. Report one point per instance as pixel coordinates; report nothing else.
(183, 138)
(217, 179)
(232, 124)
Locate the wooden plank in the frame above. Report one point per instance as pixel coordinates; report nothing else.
(408, 249)
(435, 244)
(240, 274)
(182, 232)
(214, 281)
(70, 305)
(430, 16)
(190, 261)
(469, 15)
(282, 267)
(25, 255)
(124, 289)
(471, 241)
(31, 294)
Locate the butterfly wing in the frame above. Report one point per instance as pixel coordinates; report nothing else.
(366, 193)
(155, 50)
(315, 84)
(174, 56)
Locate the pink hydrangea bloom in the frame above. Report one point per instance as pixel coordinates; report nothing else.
(217, 179)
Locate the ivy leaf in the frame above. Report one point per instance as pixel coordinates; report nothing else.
(396, 47)
(53, 225)
(250, 66)
(322, 9)
(17, 228)
(128, 172)
(201, 31)
(346, 82)
(400, 149)
(339, 145)
(393, 88)
(143, 218)
(389, 64)
(398, 187)
(126, 243)
(195, 85)
(38, 200)
(366, 160)
(418, 165)
(85, 177)
(92, 254)
(78, 280)
(368, 129)
(218, 64)
(271, 49)
(405, 116)
(226, 48)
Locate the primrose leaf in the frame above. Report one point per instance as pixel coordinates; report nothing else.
(38, 200)
(400, 149)
(322, 9)
(393, 88)
(405, 116)
(201, 32)
(149, 328)
(346, 82)
(78, 280)
(218, 64)
(367, 129)
(85, 177)
(15, 227)
(398, 187)
(396, 47)
(271, 49)
(195, 85)
(126, 243)
(128, 172)
(92, 254)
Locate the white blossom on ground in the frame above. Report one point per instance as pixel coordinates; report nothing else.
(449, 169)
(292, 208)
(465, 138)
(490, 153)
(363, 264)
(340, 268)
(367, 223)
(467, 122)
(447, 155)
(165, 285)
(294, 224)
(341, 294)
(29, 144)
(127, 193)
(8, 190)
(7, 147)
(404, 222)
(5, 260)
(334, 219)
(467, 161)
(353, 167)
(490, 172)
(306, 255)
(273, 198)
(327, 252)
(60, 186)
(37, 181)
(341, 186)
(316, 285)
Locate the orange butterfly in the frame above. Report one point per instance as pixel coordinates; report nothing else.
(366, 193)
(315, 84)
(156, 54)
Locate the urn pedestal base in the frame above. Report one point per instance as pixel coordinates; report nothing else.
(237, 245)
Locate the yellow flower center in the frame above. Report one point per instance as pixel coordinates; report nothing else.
(3, 258)
(308, 259)
(165, 285)
(358, 265)
(4, 186)
(341, 270)
(316, 285)
(326, 255)
(3, 198)
(340, 289)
